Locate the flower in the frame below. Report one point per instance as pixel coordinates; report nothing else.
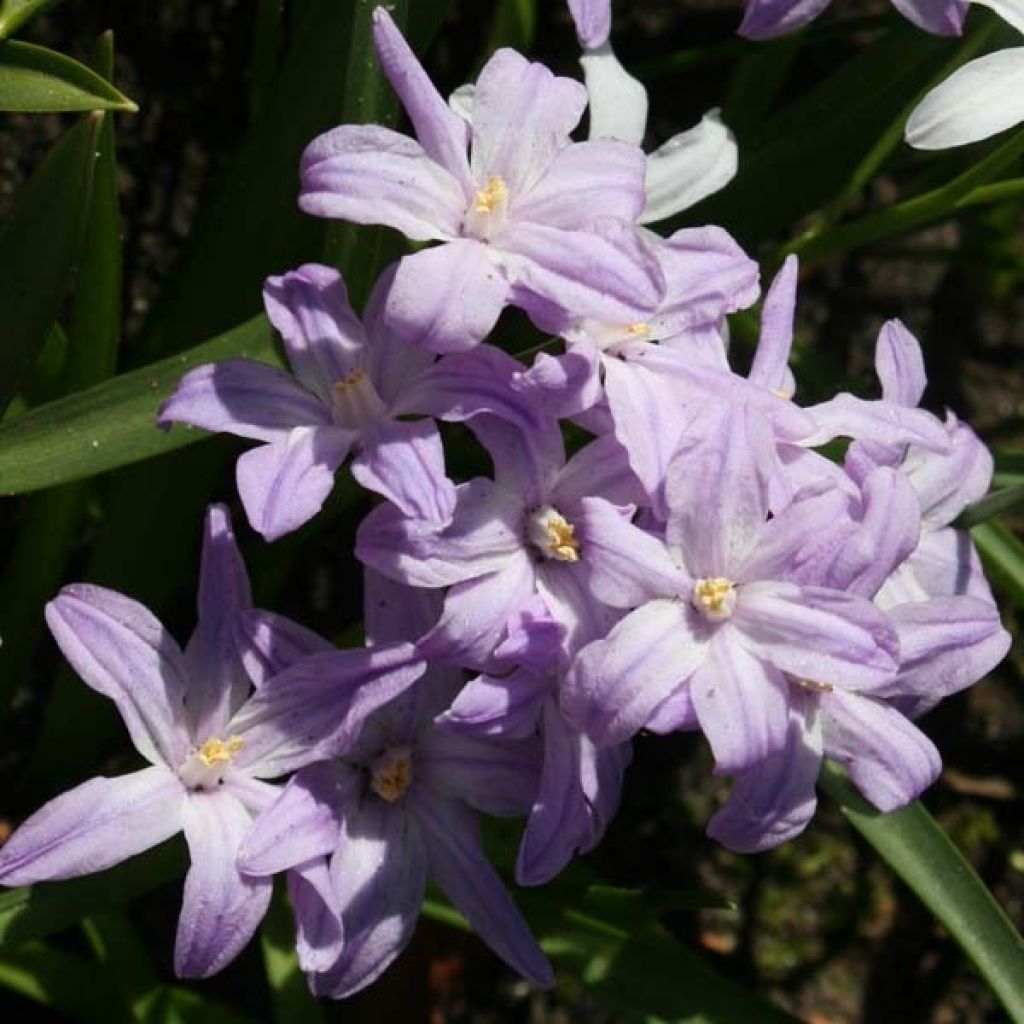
(351, 386)
(767, 18)
(514, 218)
(984, 97)
(209, 749)
(395, 807)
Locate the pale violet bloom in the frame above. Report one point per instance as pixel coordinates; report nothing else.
(681, 171)
(209, 748)
(510, 197)
(765, 19)
(983, 98)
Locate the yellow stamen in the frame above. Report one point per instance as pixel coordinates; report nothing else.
(639, 330)
(810, 684)
(216, 751)
(553, 534)
(392, 774)
(716, 597)
(488, 199)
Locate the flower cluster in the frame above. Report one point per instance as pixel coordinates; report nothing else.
(696, 563)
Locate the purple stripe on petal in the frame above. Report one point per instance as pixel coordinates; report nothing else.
(284, 484)
(221, 908)
(94, 826)
(242, 397)
(122, 651)
(459, 866)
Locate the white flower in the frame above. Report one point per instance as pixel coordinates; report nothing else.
(984, 97)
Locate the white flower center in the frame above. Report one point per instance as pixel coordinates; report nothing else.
(715, 597)
(552, 534)
(391, 773)
(487, 213)
(355, 401)
(207, 766)
(607, 337)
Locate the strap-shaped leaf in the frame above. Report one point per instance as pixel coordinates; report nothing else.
(14, 14)
(113, 424)
(914, 845)
(35, 80)
(1003, 555)
(39, 247)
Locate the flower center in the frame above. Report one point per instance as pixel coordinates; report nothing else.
(207, 766)
(355, 401)
(715, 597)
(553, 535)
(391, 773)
(812, 686)
(608, 337)
(486, 216)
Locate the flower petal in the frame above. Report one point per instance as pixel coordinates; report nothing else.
(121, 650)
(602, 174)
(483, 536)
(942, 17)
(372, 175)
(323, 337)
(459, 866)
(491, 706)
(889, 759)
(522, 117)
(689, 167)
(319, 934)
(221, 908)
(284, 484)
(242, 397)
(742, 704)
(217, 682)
(775, 800)
(404, 462)
(766, 18)
(816, 634)
(379, 874)
(618, 102)
(94, 826)
(900, 365)
(304, 822)
(593, 21)
(615, 685)
(984, 97)
(442, 133)
(600, 467)
(884, 422)
(269, 643)
(771, 360)
(447, 298)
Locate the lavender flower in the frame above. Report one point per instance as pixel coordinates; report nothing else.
(767, 18)
(352, 385)
(515, 217)
(396, 807)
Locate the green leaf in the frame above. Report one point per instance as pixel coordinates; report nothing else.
(914, 845)
(1009, 469)
(34, 912)
(993, 504)
(34, 80)
(114, 424)
(1003, 557)
(39, 247)
(14, 14)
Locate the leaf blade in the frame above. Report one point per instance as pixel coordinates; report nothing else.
(35, 80)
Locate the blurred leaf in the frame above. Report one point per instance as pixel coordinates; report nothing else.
(114, 424)
(1003, 557)
(265, 53)
(14, 14)
(34, 912)
(915, 846)
(39, 247)
(34, 80)
(119, 948)
(50, 523)
(514, 25)
(1009, 469)
(993, 504)
(76, 987)
(290, 996)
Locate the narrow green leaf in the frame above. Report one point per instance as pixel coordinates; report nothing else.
(39, 247)
(1003, 556)
(14, 14)
(914, 845)
(290, 997)
(514, 24)
(35, 80)
(114, 424)
(34, 912)
(993, 504)
(265, 53)
(50, 522)
(1009, 469)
